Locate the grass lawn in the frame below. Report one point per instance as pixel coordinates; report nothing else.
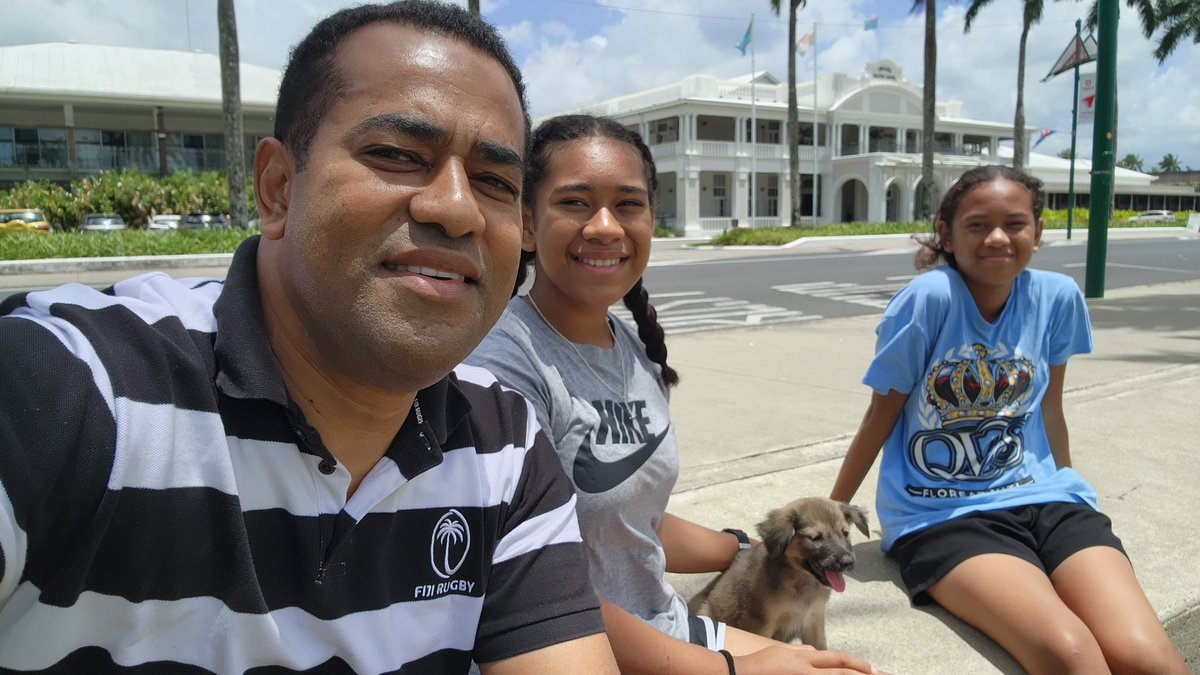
(75, 244)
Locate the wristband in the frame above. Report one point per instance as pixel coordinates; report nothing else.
(728, 658)
(743, 540)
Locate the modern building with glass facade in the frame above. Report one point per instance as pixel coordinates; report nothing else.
(71, 110)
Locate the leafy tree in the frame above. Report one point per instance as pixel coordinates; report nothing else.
(1169, 163)
(1065, 153)
(231, 113)
(928, 104)
(1131, 162)
(1032, 11)
(793, 123)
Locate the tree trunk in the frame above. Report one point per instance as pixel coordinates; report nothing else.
(1019, 115)
(473, 7)
(793, 129)
(928, 109)
(231, 113)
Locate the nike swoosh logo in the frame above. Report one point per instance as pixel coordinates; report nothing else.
(594, 475)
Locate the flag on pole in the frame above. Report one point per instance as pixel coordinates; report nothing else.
(1043, 135)
(871, 24)
(1079, 52)
(804, 43)
(741, 46)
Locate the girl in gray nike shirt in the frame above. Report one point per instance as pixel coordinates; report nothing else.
(600, 392)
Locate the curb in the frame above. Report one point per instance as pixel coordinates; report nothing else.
(59, 265)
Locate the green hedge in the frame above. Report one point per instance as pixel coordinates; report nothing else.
(75, 244)
(130, 194)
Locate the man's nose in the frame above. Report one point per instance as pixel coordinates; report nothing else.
(448, 201)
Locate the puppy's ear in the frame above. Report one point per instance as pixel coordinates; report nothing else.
(856, 515)
(776, 532)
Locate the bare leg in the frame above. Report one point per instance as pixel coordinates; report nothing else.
(1014, 603)
(1121, 618)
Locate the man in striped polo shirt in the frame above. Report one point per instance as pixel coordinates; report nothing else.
(280, 471)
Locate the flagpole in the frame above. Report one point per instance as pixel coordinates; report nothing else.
(753, 123)
(816, 129)
(1074, 127)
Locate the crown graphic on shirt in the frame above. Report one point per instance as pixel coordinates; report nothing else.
(973, 390)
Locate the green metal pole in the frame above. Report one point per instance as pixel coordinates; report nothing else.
(1102, 150)
(1074, 130)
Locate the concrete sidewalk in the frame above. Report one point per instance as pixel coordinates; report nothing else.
(764, 415)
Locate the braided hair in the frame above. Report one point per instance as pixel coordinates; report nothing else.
(932, 252)
(565, 128)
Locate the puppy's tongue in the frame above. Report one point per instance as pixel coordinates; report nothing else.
(835, 580)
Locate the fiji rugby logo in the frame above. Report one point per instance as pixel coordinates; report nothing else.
(450, 543)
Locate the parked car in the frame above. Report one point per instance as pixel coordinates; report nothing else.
(102, 222)
(204, 221)
(163, 223)
(19, 221)
(1155, 216)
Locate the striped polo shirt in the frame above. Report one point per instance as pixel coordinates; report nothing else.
(165, 507)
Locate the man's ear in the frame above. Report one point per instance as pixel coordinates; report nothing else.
(274, 167)
(527, 239)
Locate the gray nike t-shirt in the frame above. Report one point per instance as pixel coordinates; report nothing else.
(620, 454)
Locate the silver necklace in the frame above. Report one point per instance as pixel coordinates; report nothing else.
(624, 393)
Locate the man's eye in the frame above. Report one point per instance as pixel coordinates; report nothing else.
(499, 184)
(393, 154)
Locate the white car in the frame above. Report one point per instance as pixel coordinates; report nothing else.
(102, 222)
(164, 223)
(1155, 216)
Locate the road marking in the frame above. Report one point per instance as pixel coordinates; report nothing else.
(695, 314)
(867, 295)
(1135, 267)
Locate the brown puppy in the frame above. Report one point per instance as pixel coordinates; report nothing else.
(779, 589)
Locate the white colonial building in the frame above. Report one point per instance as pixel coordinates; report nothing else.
(866, 159)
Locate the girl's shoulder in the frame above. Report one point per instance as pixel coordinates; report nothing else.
(931, 290)
(1047, 285)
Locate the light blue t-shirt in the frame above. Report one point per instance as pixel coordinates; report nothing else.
(971, 436)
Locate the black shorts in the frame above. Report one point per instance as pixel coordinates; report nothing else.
(1043, 534)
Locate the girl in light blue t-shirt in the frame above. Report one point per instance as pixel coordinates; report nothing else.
(977, 498)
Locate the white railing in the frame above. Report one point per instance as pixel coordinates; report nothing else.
(765, 221)
(770, 151)
(713, 225)
(715, 148)
(662, 150)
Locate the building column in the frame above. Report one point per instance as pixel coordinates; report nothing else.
(69, 123)
(688, 196)
(161, 134)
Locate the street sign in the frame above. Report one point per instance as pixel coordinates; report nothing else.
(1087, 98)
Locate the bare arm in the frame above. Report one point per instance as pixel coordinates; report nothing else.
(641, 648)
(877, 423)
(1053, 418)
(590, 654)
(692, 548)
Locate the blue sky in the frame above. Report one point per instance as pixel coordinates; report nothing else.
(575, 52)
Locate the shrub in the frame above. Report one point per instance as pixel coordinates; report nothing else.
(128, 193)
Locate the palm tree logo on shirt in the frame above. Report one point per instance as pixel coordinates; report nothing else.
(450, 544)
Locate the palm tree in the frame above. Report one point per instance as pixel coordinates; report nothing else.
(1031, 14)
(928, 105)
(1131, 162)
(231, 113)
(793, 123)
(1065, 153)
(449, 532)
(1168, 164)
(473, 7)
(1178, 19)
